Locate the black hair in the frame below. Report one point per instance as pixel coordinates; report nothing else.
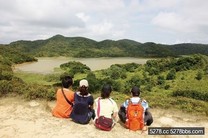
(135, 91)
(67, 81)
(83, 90)
(106, 90)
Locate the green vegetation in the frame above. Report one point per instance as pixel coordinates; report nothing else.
(47, 79)
(165, 83)
(73, 68)
(14, 56)
(9, 83)
(172, 82)
(84, 47)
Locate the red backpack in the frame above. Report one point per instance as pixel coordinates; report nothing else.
(135, 116)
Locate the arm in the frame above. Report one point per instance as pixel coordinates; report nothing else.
(145, 104)
(115, 110)
(114, 116)
(91, 102)
(125, 104)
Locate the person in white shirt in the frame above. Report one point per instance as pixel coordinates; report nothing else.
(108, 106)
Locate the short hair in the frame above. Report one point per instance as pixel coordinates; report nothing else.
(106, 90)
(135, 91)
(67, 81)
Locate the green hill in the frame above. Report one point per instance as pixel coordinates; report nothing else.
(188, 48)
(83, 47)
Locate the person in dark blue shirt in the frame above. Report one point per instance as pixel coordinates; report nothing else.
(83, 110)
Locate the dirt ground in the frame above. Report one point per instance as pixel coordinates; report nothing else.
(33, 119)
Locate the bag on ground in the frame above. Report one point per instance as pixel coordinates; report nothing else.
(104, 123)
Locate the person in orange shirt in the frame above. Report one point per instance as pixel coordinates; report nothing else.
(65, 99)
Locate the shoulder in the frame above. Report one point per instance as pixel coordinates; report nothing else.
(70, 93)
(145, 104)
(89, 95)
(77, 94)
(96, 100)
(59, 90)
(90, 98)
(113, 101)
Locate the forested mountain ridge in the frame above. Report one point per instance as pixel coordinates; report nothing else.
(59, 45)
(189, 48)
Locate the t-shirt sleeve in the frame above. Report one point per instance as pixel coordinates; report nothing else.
(72, 96)
(91, 100)
(145, 104)
(115, 107)
(125, 104)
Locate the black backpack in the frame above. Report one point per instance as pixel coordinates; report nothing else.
(80, 112)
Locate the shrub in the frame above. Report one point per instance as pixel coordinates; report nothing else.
(34, 91)
(160, 80)
(171, 75)
(94, 84)
(52, 77)
(148, 87)
(199, 75)
(198, 95)
(167, 87)
(75, 67)
(5, 87)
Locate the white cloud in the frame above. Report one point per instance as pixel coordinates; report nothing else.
(186, 17)
(102, 28)
(106, 30)
(154, 5)
(173, 22)
(82, 16)
(142, 20)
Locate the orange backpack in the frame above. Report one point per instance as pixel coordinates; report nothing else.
(135, 116)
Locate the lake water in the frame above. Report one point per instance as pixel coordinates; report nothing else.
(47, 64)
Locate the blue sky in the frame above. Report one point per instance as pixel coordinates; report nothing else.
(159, 21)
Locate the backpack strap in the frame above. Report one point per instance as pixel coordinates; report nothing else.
(129, 101)
(98, 109)
(110, 100)
(66, 98)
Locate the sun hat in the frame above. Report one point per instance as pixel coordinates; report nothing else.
(83, 83)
